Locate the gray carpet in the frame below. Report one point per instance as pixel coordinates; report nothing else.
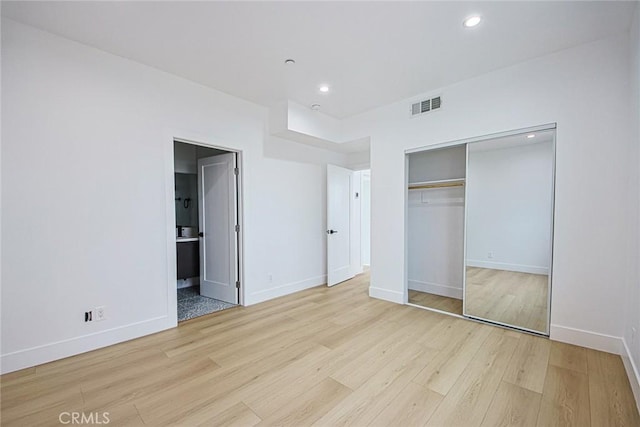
(191, 304)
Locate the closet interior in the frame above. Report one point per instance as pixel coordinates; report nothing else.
(436, 228)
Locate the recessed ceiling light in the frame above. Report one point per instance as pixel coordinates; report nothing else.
(531, 135)
(324, 88)
(315, 107)
(289, 61)
(472, 21)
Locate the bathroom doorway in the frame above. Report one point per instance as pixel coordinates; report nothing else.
(207, 229)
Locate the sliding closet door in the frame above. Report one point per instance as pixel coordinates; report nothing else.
(509, 230)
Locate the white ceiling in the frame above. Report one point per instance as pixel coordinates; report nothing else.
(370, 53)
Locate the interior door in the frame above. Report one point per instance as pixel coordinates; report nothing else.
(218, 219)
(339, 189)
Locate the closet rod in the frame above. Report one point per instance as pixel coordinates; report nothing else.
(438, 185)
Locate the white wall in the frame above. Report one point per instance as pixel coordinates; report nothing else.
(436, 165)
(509, 196)
(435, 237)
(356, 223)
(303, 119)
(632, 295)
(591, 225)
(359, 160)
(435, 222)
(283, 149)
(365, 238)
(288, 233)
(87, 188)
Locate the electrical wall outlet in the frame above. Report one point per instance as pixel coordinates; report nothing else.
(270, 277)
(490, 255)
(99, 313)
(88, 316)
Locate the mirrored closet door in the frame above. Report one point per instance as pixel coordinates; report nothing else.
(509, 221)
(480, 228)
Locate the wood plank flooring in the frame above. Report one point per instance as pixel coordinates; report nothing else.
(424, 299)
(326, 357)
(518, 299)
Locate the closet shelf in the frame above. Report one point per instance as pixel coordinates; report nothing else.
(457, 182)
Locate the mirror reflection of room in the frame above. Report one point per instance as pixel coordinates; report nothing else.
(436, 228)
(509, 220)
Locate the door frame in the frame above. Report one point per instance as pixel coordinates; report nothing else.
(172, 300)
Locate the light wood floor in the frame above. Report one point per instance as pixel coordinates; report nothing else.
(327, 357)
(518, 299)
(424, 299)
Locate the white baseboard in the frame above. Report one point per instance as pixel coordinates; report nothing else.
(532, 269)
(436, 288)
(286, 289)
(596, 341)
(59, 350)
(632, 372)
(386, 294)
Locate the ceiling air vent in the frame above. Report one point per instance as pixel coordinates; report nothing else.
(425, 106)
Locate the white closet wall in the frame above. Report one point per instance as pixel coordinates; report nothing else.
(436, 223)
(509, 207)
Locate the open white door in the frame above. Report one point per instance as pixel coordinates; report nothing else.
(218, 219)
(339, 188)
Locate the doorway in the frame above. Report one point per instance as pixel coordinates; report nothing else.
(207, 229)
(348, 223)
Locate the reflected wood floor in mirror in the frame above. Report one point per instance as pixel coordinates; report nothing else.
(329, 357)
(518, 299)
(424, 299)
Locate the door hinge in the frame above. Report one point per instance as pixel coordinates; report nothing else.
(236, 171)
(237, 228)
(237, 284)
